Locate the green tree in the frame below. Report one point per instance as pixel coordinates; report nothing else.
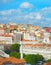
(15, 47)
(33, 58)
(8, 51)
(15, 54)
(49, 60)
(39, 57)
(30, 59)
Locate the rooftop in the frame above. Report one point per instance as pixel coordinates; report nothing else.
(12, 60)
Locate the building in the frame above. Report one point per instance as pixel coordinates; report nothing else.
(6, 39)
(17, 37)
(29, 36)
(2, 31)
(36, 49)
(46, 40)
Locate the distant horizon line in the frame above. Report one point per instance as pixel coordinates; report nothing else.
(26, 24)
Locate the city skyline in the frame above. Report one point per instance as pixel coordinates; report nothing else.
(33, 12)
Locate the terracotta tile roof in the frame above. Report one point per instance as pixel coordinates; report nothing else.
(12, 60)
(48, 63)
(12, 27)
(1, 28)
(33, 45)
(27, 45)
(6, 35)
(29, 40)
(37, 45)
(48, 45)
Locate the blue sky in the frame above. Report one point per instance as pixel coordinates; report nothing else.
(35, 12)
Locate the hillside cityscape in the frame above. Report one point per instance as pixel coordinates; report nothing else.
(25, 32)
(32, 39)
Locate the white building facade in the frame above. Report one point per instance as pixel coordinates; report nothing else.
(6, 40)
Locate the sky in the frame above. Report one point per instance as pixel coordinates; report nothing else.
(35, 12)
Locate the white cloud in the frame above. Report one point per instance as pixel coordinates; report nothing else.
(46, 12)
(29, 16)
(48, 19)
(38, 16)
(6, 12)
(46, 9)
(10, 12)
(34, 15)
(41, 17)
(6, 1)
(26, 5)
